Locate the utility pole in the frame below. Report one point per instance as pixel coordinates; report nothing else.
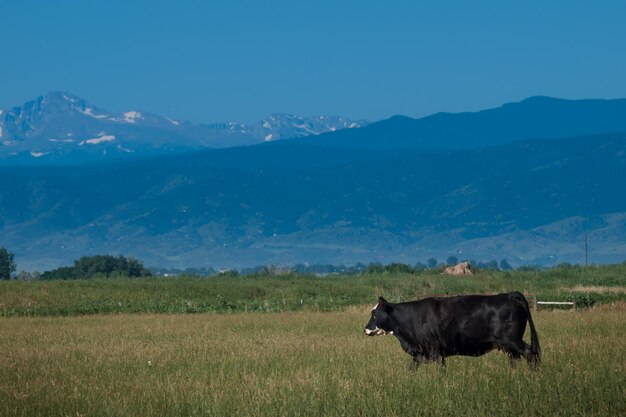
(586, 251)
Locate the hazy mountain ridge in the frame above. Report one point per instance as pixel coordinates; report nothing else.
(535, 117)
(396, 190)
(218, 208)
(62, 128)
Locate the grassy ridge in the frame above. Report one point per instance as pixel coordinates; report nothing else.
(295, 292)
(296, 364)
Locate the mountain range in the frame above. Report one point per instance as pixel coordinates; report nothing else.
(523, 182)
(536, 117)
(60, 128)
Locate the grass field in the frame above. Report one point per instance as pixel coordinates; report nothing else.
(586, 286)
(297, 364)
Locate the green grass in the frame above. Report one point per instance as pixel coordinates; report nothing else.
(297, 364)
(587, 286)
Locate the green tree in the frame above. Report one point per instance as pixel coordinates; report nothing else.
(491, 265)
(432, 263)
(88, 267)
(504, 265)
(399, 268)
(375, 268)
(107, 265)
(64, 272)
(419, 267)
(7, 264)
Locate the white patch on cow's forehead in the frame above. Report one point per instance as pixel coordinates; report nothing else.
(375, 307)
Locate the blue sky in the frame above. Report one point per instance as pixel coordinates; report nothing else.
(241, 60)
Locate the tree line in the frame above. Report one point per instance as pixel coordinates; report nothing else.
(86, 267)
(99, 266)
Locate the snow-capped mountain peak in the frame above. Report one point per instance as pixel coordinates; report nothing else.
(59, 124)
(283, 125)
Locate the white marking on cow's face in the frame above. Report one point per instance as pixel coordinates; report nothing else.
(377, 332)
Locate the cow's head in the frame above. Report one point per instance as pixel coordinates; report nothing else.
(380, 323)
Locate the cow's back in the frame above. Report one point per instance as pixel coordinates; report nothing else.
(463, 325)
(475, 324)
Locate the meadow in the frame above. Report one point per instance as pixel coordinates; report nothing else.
(297, 364)
(293, 345)
(293, 292)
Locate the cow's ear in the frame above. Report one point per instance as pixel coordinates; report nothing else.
(384, 304)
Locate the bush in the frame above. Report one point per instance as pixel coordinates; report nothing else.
(7, 265)
(583, 300)
(88, 267)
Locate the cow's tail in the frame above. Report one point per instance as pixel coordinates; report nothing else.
(535, 349)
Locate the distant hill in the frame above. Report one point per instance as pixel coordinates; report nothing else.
(535, 117)
(61, 128)
(529, 201)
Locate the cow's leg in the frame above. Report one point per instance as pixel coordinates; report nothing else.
(531, 358)
(441, 360)
(416, 361)
(517, 349)
(513, 361)
(523, 349)
(514, 358)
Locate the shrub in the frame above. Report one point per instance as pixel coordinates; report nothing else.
(88, 267)
(7, 264)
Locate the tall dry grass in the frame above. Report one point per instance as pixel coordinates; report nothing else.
(296, 364)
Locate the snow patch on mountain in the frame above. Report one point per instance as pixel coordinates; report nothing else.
(89, 112)
(61, 140)
(70, 99)
(132, 116)
(123, 149)
(102, 137)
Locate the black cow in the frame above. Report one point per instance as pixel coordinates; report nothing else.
(470, 325)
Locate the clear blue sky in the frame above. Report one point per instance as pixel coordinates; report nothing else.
(241, 60)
